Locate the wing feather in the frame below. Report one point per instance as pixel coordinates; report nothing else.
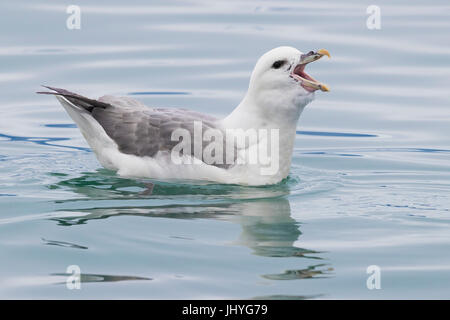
(146, 131)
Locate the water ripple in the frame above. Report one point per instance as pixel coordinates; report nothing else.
(46, 141)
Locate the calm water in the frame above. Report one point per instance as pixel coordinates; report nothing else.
(369, 184)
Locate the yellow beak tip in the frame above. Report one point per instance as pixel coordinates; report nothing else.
(324, 87)
(324, 52)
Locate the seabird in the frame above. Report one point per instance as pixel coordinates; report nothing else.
(139, 141)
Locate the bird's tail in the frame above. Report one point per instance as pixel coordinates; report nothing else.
(76, 99)
(80, 110)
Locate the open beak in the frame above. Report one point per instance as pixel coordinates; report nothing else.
(306, 81)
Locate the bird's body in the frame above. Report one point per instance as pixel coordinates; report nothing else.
(251, 146)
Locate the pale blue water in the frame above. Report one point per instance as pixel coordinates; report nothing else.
(369, 184)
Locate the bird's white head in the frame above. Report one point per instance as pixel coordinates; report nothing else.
(279, 83)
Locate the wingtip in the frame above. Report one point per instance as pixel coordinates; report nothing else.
(55, 91)
(48, 87)
(44, 92)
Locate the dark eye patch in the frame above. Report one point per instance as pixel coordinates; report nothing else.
(278, 64)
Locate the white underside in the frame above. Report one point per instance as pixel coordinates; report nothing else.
(161, 167)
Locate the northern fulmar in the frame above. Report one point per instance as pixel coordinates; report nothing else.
(253, 145)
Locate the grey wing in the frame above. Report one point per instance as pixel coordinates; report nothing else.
(140, 130)
(145, 132)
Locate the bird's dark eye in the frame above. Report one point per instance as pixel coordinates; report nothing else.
(278, 64)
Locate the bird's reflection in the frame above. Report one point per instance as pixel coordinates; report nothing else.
(269, 229)
(264, 213)
(86, 277)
